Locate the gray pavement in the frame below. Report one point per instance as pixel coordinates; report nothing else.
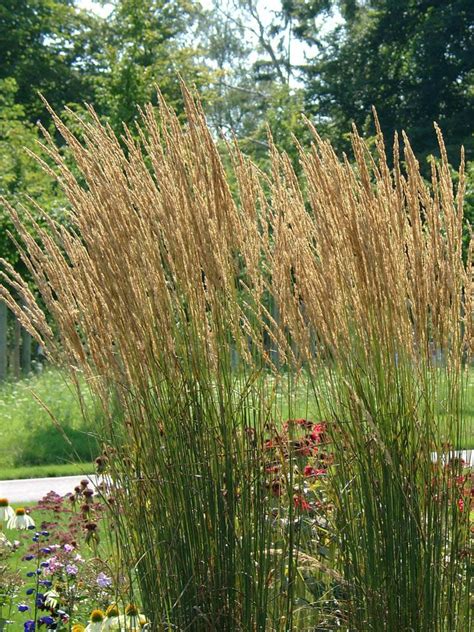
(33, 489)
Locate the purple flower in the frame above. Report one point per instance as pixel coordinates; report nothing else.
(103, 581)
(53, 565)
(29, 626)
(71, 569)
(30, 591)
(22, 607)
(29, 557)
(45, 582)
(47, 620)
(46, 550)
(68, 548)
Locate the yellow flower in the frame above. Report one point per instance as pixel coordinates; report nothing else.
(77, 627)
(96, 621)
(131, 610)
(112, 620)
(112, 610)
(97, 616)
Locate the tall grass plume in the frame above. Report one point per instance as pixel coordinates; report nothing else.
(188, 305)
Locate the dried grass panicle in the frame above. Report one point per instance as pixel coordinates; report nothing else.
(158, 238)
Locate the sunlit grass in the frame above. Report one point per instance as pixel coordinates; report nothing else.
(28, 434)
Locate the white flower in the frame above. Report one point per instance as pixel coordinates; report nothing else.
(20, 520)
(112, 618)
(111, 623)
(51, 598)
(132, 623)
(6, 512)
(96, 621)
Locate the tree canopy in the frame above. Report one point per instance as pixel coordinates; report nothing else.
(411, 59)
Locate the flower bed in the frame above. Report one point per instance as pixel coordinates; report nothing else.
(61, 573)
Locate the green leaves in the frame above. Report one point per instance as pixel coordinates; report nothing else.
(19, 172)
(411, 61)
(48, 46)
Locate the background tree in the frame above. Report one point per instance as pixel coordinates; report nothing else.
(254, 87)
(412, 59)
(20, 174)
(149, 43)
(52, 47)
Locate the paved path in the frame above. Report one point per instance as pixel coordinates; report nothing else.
(33, 489)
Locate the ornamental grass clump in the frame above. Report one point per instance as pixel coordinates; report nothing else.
(373, 275)
(190, 308)
(156, 294)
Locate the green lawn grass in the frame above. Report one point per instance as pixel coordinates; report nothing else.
(304, 405)
(46, 471)
(28, 435)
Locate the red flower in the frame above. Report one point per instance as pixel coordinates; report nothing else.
(303, 448)
(309, 470)
(317, 433)
(301, 503)
(272, 468)
(276, 488)
(461, 504)
(302, 423)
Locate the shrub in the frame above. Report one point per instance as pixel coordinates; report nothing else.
(51, 445)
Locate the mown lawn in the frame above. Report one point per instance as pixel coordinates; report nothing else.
(29, 436)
